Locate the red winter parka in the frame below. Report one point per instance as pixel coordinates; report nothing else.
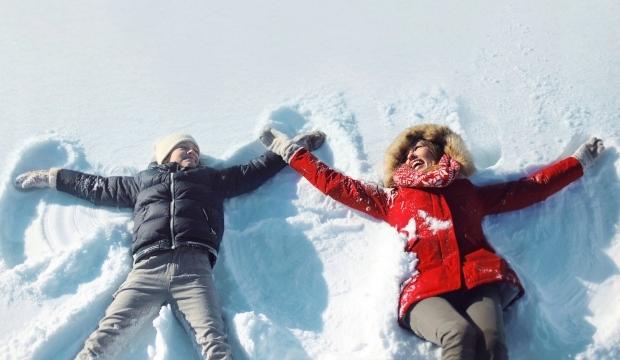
(442, 225)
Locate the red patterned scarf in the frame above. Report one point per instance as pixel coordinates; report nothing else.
(440, 175)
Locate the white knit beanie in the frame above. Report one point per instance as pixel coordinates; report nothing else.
(164, 146)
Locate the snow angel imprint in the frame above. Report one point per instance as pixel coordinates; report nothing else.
(456, 297)
(178, 214)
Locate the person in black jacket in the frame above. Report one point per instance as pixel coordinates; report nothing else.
(178, 212)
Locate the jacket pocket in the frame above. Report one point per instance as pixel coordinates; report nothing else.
(482, 270)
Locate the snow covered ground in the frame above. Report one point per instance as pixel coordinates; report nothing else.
(89, 85)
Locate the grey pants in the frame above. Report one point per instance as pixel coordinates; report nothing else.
(467, 324)
(183, 278)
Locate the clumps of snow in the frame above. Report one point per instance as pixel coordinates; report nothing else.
(408, 232)
(434, 224)
(409, 260)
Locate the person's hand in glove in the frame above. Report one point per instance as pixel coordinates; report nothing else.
(589, 151)
(280, 143)
(36, 179)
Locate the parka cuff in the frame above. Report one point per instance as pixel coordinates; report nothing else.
(52, 177)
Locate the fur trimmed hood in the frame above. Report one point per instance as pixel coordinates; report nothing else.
(451, 143)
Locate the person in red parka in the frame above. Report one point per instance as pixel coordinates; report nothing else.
(456, 295)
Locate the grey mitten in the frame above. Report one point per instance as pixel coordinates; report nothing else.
(36, 179)
(280, 143)
(589, 151)
(311, 141)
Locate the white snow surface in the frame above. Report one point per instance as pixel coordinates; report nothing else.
(89, 85)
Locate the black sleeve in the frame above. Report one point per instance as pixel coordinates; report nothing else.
(240, 179)
(120, 191)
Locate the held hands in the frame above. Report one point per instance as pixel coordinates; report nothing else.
(36, 179)
(589, 151)
(280, 143)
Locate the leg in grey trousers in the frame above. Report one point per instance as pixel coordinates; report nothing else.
(183, 278)
(195, 303)
(485, 311)
(466, 324)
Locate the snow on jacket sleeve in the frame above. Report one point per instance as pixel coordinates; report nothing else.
(118, 191)
(371, 199)
(240, 179)
(526, 191)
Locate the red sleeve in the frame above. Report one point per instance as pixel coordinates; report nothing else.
(370, 199)
(537, 187)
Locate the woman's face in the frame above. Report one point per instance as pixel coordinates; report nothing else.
(420, 157)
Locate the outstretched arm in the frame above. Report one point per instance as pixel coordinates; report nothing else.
(240, 179)
(368, 198)
(118, 191)
(540, 185)
(356, 194)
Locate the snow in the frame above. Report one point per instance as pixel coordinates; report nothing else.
(90, 85)
(434, 224)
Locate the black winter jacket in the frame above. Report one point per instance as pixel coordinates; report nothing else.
(173, 206)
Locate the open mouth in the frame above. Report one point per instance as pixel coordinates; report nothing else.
(418, 164)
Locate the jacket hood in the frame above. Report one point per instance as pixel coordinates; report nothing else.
(451, 143)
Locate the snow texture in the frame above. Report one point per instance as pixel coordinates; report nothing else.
(90, 85)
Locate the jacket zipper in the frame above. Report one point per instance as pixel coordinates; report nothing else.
(174, 243)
